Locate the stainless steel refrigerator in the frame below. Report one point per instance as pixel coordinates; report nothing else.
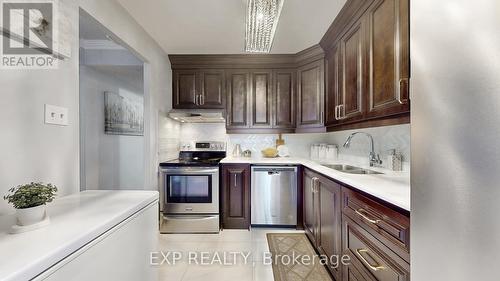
(455, 177)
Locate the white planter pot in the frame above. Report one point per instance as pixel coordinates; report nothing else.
(31, 216)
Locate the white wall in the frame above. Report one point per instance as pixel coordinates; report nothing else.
(31, 150)
(109, 161)
(455, 180)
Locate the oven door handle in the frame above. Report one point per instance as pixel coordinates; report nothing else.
(190, 171)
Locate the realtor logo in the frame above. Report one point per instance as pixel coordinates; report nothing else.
(28, 30)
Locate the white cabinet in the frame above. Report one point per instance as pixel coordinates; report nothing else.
(122, 253)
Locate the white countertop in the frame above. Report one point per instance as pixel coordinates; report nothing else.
(75, 220)
(392, 187)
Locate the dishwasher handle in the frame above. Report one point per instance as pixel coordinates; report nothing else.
(271, 170)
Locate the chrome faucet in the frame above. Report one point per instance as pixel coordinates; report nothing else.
(374, 158)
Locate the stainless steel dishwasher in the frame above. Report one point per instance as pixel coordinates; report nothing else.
(274, 195)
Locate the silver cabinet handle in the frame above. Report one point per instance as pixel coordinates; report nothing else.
(402, 81)
(336, 112)
(342, 113)
(202, 99)
(196, 97)
(235, 180)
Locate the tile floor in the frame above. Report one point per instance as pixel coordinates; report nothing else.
(252, 243)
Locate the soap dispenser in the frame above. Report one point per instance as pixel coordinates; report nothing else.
(395, 160)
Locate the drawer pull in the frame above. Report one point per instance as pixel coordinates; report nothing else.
(363, 259)
(362, 213)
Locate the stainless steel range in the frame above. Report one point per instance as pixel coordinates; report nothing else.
(189, 192)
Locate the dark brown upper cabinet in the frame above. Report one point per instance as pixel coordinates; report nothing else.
(284, 99)
(261, 99)
(185, 89)
(213, 92)
(352, 61)
(368, 65)
(238, 90)
(310, 95)
(388, 58)
(236, 196)
(333, 76)
(199, 89)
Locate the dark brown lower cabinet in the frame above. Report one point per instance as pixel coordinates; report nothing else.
(309, 208)
(370, 258)
(341, 221)
(322, 216)
(235, 206)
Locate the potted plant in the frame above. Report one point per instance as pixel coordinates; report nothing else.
(29, 201)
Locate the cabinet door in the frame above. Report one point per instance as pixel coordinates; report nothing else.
(236, 196)
(329, 224)
(309, 207)
(311, 94)
(238, 86)
(261, 99)
(353, 71)
(333, 76)
(185, 85)
(213, 93)
(284, 99)
(388, 57)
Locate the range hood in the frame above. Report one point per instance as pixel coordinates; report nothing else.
(198, 115)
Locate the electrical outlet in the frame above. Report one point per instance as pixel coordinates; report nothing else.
(56, 115)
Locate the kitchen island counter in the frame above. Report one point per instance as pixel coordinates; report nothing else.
(75, 221)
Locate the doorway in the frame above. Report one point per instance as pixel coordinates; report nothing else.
(112, 111)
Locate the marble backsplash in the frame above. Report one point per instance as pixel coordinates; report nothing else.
(385, 138)
(169, 138)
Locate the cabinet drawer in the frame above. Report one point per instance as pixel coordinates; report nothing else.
(390, 227)
(370, 257)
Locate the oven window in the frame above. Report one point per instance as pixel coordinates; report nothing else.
(189, 189)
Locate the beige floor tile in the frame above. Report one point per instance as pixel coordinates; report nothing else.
(178, 246)
(254, 241)
(259, 248)
(186, 237)
(263, 273)
(219, 273)
(172, 272)
(235, 235)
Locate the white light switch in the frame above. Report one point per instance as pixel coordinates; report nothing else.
(56, 115)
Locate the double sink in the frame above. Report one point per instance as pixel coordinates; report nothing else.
(352, 169)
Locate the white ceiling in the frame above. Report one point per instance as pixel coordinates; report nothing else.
(218, 26)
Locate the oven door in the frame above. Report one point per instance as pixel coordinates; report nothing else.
(190, 190)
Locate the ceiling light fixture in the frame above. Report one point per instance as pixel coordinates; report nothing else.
(262, 20)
